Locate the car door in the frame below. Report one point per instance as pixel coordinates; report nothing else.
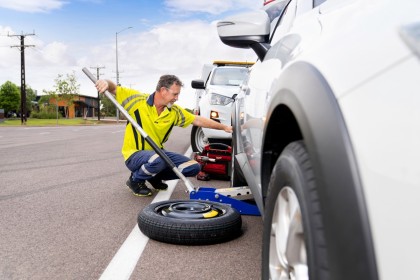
(256, 94)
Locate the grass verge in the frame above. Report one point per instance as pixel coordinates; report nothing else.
(52, 122)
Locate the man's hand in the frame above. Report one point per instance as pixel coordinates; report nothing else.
(104, 85)
(228, 129)
(209, 123)
(101, 86)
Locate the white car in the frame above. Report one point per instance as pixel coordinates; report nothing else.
(327, 133)
(219, 88)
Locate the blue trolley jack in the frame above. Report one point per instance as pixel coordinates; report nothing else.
(224, 196)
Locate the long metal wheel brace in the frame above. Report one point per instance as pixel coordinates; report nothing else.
(234, 196)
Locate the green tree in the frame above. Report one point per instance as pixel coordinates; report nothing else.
(66, 89)
(9, 97)
(45, 98)
(30, 97)
(44, 102)
(108, 108)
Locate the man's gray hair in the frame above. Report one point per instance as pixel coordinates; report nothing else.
(167, 81)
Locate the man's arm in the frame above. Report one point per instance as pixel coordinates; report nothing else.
(208, 123)
(103, 85)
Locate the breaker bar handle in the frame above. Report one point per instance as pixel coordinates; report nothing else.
(143, 133)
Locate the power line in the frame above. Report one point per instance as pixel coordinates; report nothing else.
(22, 47)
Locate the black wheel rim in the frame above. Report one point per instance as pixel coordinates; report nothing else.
(190, 210)
(200, 139)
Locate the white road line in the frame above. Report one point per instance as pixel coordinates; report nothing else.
(125, 260)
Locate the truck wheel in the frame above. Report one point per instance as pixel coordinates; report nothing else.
(294, 244)
(198, 139)
(190, 222)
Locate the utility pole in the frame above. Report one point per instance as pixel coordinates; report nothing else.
(99, 100)
(22, 47)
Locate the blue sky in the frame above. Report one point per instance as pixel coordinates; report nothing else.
(170, 36)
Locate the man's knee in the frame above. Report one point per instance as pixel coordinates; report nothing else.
(190, 168)
(196, 168)
(155, 164)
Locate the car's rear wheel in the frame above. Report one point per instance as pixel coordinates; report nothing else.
(294, 245)
(190, 222)
(198, 139)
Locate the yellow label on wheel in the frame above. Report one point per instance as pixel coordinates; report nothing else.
(211, 214)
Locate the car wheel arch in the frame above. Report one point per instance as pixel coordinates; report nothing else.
(306, 108)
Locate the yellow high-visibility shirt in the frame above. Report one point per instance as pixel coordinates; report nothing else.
(158, 127)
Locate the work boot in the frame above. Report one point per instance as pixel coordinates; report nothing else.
(158, 184)
(138, 188)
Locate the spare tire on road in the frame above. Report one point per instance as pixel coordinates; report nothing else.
(190, 222)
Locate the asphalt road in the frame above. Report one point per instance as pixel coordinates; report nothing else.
(65, 211)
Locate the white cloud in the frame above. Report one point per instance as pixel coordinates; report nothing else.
(56, 52)
(179, 48)
(32, 6)
(5, 45)
(43, 62)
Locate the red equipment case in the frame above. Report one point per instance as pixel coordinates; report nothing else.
(215, 159)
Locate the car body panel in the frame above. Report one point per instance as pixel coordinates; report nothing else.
(352, 85)
(387, 113)
(387, 149)
(224, 111)
(225, 81)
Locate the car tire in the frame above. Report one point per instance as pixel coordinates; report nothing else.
(198, 140)
(190, 222)
(294, 243)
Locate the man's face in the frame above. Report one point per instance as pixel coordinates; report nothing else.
(171, 94)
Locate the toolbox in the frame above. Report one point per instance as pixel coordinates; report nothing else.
(215, 161)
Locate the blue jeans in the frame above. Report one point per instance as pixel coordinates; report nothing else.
(146, 165)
